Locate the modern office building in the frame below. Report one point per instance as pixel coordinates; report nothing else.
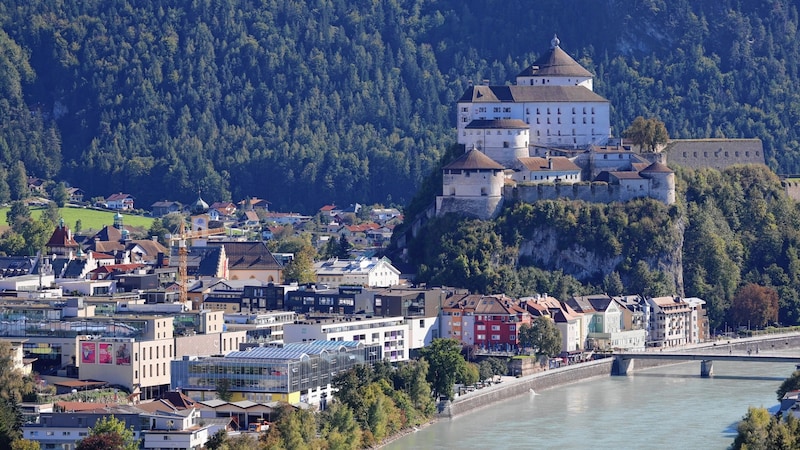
(294, 373)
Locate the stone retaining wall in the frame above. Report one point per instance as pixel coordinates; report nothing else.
(518, 386)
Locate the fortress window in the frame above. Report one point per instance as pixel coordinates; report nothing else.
(548, 110)
(737, 154)
(592, 120)
(584, 110)
(605, 156)
(592, 109)
(548, 120)
(559, 110)
(573, 120)
(537, 111)
(584, 120)
(527, 110)
(757, 154)
(505, 144)
(559, 120)
(465, 109)
(573, 110)
(705, 155)
(537, 120)
(746, 153)
(726, 154)
(537, 132)
(684, 154)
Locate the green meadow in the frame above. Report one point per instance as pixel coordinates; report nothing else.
(91, 219)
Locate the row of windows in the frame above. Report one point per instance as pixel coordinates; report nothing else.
(538, 121)
(495, 337)
(705, 154)
(538, 133)
(498, 109)
(558, 110)
(496, 327)
(508, 132)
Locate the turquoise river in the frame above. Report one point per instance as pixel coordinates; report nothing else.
(659, 408)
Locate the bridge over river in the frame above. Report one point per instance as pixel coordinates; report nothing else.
(623, 361)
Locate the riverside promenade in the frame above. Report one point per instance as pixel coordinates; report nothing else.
(511, 387)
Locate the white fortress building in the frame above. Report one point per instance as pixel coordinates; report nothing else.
(552, 98)
(548, 136)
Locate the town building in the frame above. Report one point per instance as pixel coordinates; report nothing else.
(119, 201)
(606, 325)
(341, 300)
(490, 322)
(294, 373)
(369, 272)
(671, 323)
(569, 322)
(390, 333)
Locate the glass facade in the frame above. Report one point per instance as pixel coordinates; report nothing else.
(291, 368)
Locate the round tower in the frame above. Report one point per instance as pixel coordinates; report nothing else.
(503, 140)
(662, 182)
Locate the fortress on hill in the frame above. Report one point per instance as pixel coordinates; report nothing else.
(548, 136)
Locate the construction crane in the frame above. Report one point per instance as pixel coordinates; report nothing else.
(183, 253)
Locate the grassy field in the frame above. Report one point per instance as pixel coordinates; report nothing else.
(91, 219)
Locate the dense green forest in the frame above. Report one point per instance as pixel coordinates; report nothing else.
(306, 102)
(729, 229)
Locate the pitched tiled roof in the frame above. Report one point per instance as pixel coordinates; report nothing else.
(498, 123)
(555, 62)
(530, 94)
(657, 167)
(559, 163)
(62, 237)
(473, 160)
(119, 196)
(248, 256)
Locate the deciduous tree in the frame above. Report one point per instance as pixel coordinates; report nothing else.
(444, 363)
(107, 433)
(755, 305)
(647, 134)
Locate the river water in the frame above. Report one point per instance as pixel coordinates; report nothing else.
(665, 407)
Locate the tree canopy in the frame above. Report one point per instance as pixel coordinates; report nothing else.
(306, 103)
(647, 134)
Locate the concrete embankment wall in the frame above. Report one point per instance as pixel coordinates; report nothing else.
(537, 382)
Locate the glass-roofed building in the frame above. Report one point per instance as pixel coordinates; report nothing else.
(297, 372)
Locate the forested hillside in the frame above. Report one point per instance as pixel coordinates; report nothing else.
(729, 229)
(308, 102)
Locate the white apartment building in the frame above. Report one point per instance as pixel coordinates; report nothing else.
(391, 333)
(670, 322)
(370, 272)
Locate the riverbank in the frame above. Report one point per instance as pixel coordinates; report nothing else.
(512, 387)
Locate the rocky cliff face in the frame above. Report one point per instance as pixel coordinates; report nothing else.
(541, 248)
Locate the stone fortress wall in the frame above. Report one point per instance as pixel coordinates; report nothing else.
(714, 153)
(589, 192)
